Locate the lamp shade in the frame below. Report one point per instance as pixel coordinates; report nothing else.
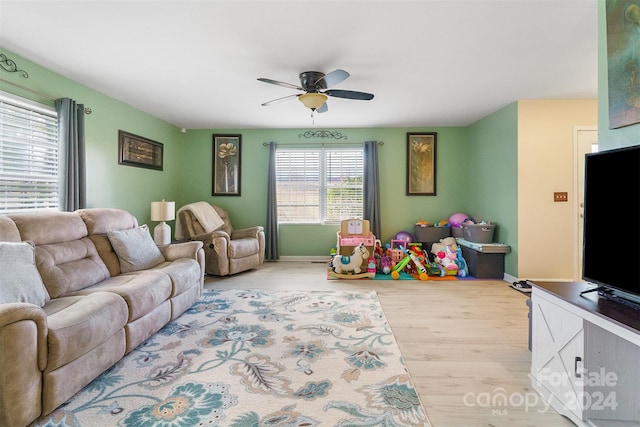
(313, 100)
(163, 211)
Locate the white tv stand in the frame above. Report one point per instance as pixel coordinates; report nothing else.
(585, 358)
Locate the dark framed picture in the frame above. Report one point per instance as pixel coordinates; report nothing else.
(226, 165)
(134, 150)
(421, 164)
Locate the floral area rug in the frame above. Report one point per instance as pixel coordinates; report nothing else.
(250, 358)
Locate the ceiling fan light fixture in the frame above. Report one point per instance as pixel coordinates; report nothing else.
(313, 100)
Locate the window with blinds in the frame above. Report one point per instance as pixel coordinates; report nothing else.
(319, 185)
(28, 155)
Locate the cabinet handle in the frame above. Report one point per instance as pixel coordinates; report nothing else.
(575, 367)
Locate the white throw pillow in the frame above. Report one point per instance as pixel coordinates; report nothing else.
(135, 248)
(20, 280)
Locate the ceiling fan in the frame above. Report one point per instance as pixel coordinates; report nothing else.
(317, 88)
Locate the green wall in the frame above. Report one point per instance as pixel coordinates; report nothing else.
(399, 212)
(609, 138)
(493, 177)
(187, 165)
(109, 184)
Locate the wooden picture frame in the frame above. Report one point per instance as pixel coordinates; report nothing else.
(226, 165)
(421, 164)
(134, 150)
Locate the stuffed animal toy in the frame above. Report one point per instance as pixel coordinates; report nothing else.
(343, 263)
(447, 241)
(446, 260)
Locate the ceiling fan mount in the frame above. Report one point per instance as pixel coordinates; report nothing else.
(312, 81)
(316, 87)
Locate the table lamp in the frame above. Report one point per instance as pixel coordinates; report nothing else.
(162, 211)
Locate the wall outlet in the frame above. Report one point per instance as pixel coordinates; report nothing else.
(560, 196)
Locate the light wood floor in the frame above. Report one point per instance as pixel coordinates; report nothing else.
(464, 342)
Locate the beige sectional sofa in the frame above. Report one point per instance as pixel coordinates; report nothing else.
(107, 290)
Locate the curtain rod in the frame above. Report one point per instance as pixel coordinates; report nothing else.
(87, 110)
(266, 144)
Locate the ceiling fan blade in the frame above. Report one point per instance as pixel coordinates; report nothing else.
(323, 109)
(275, 101)
(275, 82)
(349, 94)
(333, 78)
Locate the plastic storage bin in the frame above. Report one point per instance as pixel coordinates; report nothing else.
(431, 234)
(478, 233)
(484, 265)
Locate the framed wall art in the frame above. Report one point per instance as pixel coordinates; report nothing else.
(226, 165)
(421, 164)
(134, 150)
(623, 62)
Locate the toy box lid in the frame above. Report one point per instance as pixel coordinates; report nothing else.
(355, 227)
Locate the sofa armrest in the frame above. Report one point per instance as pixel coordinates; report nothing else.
(176, 251)
(11, 314)
(23, 357)
(256, 232)
(247, 232)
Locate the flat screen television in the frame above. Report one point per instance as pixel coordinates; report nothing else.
(611, 252)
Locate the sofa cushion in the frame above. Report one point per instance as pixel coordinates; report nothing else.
(143, 291)
(240, 248)
(99, 222)
(20, 280)
(79, 324)
(46, 227)
(70, 266)
(183, 272)
(135, 249)
(103, 220)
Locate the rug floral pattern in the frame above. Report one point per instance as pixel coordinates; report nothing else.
(252, 358)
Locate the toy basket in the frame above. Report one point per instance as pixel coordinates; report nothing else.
(478, 233)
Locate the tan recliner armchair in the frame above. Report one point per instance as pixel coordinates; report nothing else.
(227, 251)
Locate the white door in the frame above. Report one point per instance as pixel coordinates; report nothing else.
(586, 140)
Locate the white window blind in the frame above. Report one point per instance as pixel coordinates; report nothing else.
(28, 155)
(319, 185)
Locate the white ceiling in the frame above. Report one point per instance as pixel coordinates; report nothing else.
(194, 63)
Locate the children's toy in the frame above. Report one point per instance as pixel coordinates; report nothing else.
(423, 223)
(352, 233)
(447, 241)
(396, 256)
(342, 263)
(446, 260)
(395, 273)
(404, 236)
(417, 262)
(463, 270)
(385, 264)
(457, 219)
(371, 265)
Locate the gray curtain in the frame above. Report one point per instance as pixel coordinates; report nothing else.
(272, 252)
(372, 187)
(73, 193)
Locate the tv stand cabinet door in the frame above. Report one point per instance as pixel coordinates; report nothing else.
(557, 356)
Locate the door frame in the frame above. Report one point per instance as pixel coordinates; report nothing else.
(577, 261)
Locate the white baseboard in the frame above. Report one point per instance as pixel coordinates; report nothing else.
(509, 278)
